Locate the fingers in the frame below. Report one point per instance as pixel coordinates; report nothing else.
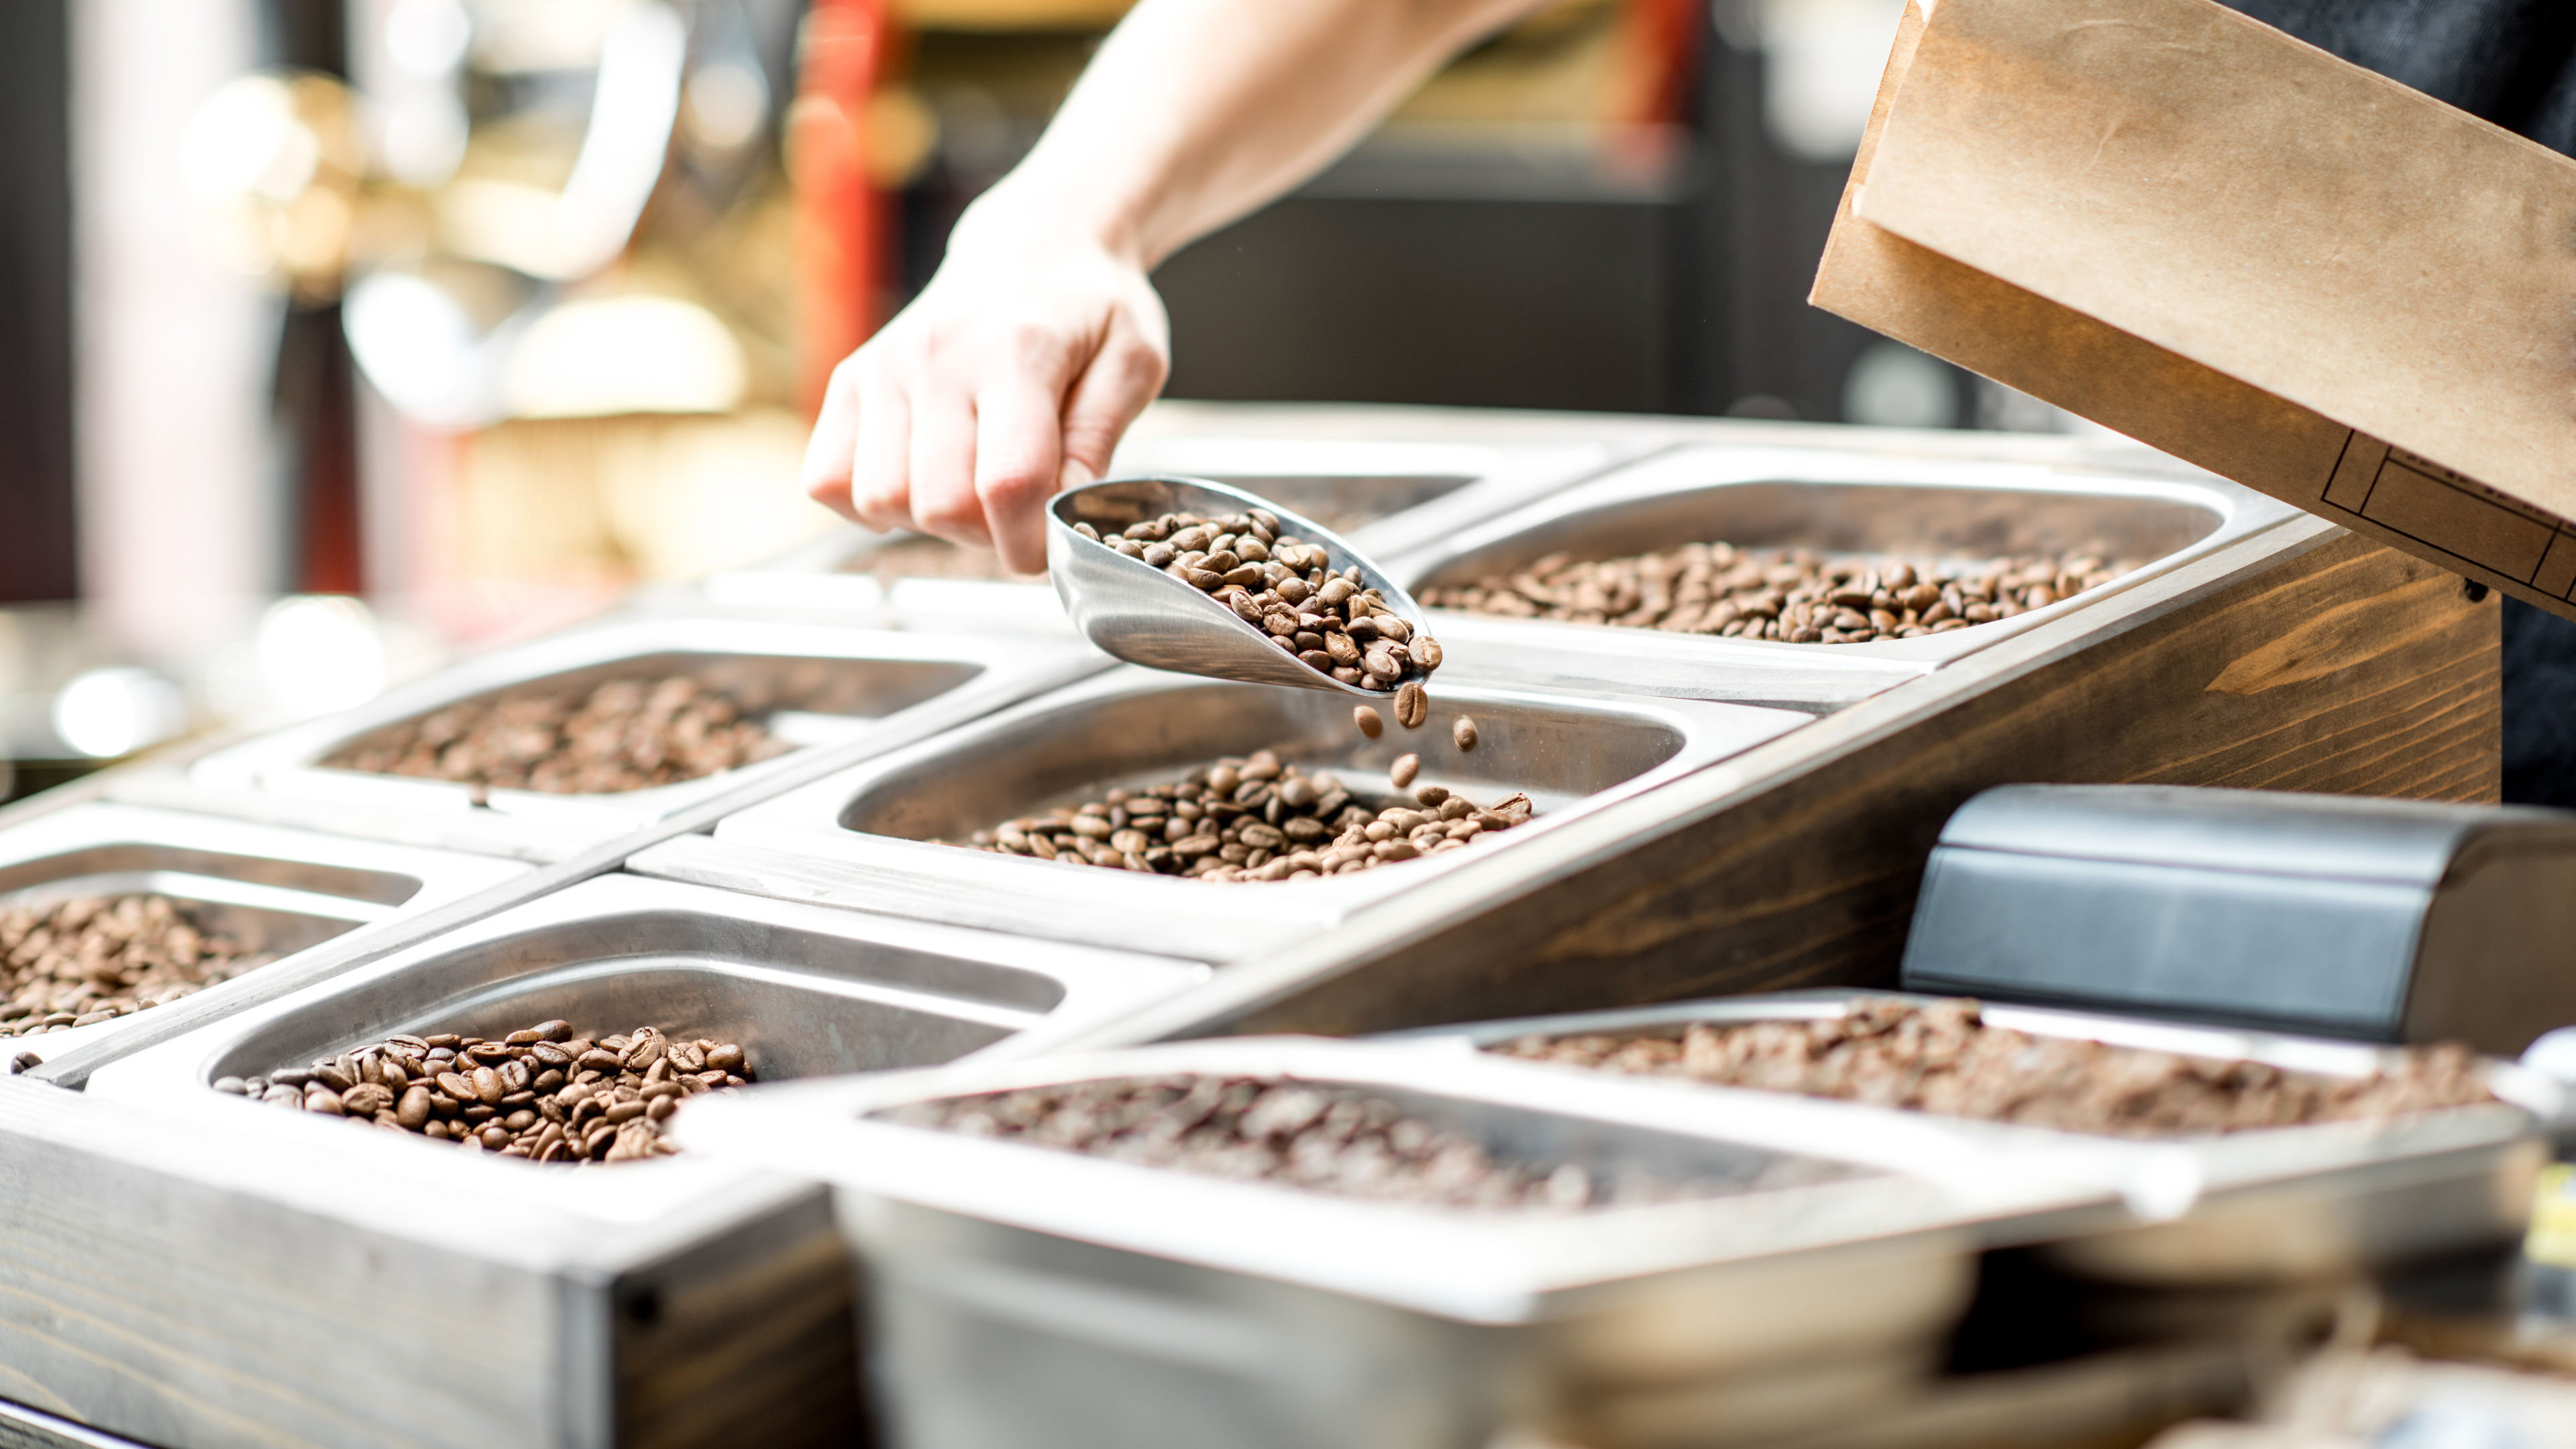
(943, 463)
(881, 475)
(1123, 377)
(830, 453)
(1018, 445)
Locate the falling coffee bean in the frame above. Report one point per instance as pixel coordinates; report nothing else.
(1412, 706)
(1401, 773)
(1367, 718)
(1464, 732)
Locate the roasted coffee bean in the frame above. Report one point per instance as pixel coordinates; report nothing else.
(496, 1109)
(1412, 706)
(1252, 818)
(1795, 596)
(1464, 733)
(1401, 773)
(1288, 589)
(625, 734)
(1368, 720)
(96, 958)
(1941, 1057)
(1318, 1136)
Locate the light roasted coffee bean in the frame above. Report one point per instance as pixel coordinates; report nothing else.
(1794, 596)
(1368, 720)
(1401, 773)
(95, 958)
(1942, 1057)
(1287, 588)
(1317, 1136)
(626, 734)
(1464, 734)
(486, 1094)
(1250, 818)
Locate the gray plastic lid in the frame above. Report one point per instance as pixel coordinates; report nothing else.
(2407, 842)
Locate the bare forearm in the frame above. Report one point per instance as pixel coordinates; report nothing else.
(1196, 112)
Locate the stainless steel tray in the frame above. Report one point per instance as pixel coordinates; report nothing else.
(1386, 494)
(1142, 1307)
(829, 687)
(1839, 498)
(277, 892)
(864, 837)
(2257, 1206)
(807, 991)
(249, 1266)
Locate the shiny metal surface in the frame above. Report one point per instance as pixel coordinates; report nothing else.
(1834, 499)
(865, 837)
(1133, 611)
(1143, 1307)
(806, 991)
(2271, 1205)
(1387, 479)
(815, 686)
(277, 892)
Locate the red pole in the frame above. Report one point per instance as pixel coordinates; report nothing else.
(839, 246)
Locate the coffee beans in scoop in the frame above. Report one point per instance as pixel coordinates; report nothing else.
(1795, 596)
(626, 734)
(1942, 1057)
(1312, 1135)
(1287, 588)
(98, 957)
(543, 1093)
(1254, 818)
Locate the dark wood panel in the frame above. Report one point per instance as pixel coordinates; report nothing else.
(38, 558)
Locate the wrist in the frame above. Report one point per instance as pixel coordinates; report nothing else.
(1021, 213)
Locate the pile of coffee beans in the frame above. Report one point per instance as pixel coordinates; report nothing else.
(1311, 1135)
(1250, 818)
(542, 1093)
(97, 957)
(1796, 596)
(1942, 1057)
(1286, 588)
(626, 734)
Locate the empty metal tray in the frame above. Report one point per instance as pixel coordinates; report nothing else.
(865, 837)
(277, 892)
(834, 687)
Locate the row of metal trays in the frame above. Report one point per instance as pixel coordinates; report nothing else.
(802, 907)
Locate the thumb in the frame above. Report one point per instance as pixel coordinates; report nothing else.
(1123, 377)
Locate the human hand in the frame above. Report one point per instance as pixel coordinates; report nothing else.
(1012, 375)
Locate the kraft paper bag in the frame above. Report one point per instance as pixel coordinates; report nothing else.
(2224, 242)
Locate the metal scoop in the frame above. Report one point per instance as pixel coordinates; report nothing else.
(1139, 613)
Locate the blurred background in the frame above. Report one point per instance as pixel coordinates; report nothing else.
(341, 336)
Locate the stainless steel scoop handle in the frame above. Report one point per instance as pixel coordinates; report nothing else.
(1139, 613)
